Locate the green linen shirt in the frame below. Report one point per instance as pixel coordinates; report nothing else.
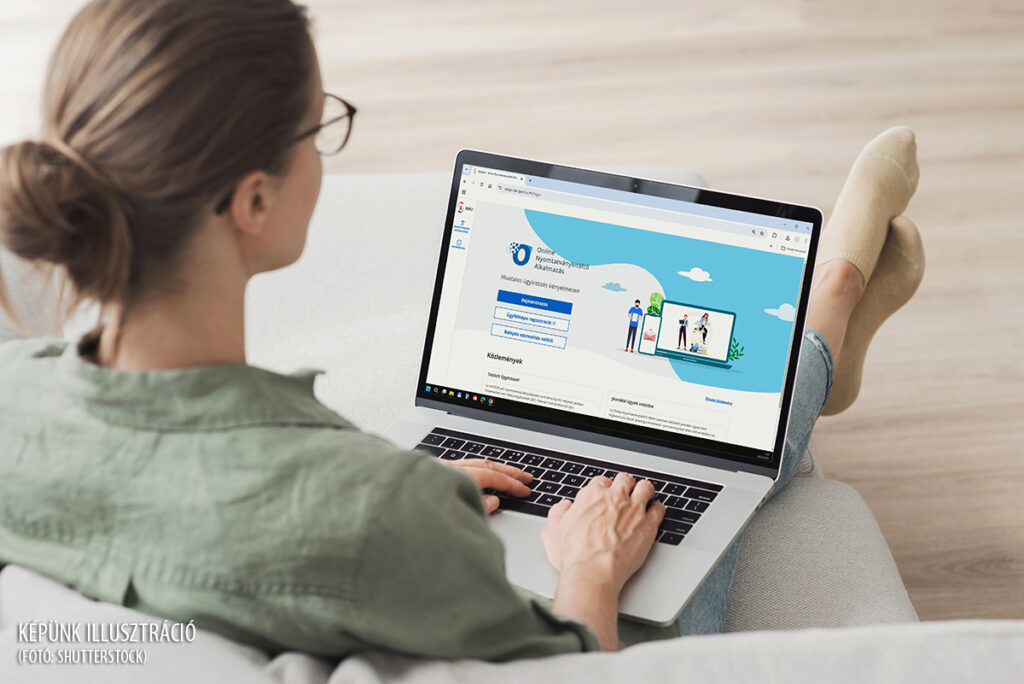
(230, 496)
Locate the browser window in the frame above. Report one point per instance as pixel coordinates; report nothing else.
(648, 311)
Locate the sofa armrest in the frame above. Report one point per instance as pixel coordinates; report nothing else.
(814, 556)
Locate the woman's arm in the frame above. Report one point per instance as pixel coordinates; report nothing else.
(588, 589)
(431, 580)
(593, 601)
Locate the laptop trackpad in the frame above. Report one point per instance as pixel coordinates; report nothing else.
(655, 594)
(526, 562)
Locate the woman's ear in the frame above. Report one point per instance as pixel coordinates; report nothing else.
(250, 205)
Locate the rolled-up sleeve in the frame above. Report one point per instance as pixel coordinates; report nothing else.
(432, 582)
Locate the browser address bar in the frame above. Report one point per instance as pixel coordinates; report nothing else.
(615, 207)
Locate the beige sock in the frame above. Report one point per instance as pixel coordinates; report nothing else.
(895, 279)
(879, 187)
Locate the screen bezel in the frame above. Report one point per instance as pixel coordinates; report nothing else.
(562, 420)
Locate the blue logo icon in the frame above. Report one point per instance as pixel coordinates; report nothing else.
(520, 253)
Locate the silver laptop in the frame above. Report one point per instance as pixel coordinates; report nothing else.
(568, 310)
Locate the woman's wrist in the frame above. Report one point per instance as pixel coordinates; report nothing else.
(590, 595)
(596, 573)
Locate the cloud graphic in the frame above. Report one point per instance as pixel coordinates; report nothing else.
(614, 287)
(697, 275)
(785, 312)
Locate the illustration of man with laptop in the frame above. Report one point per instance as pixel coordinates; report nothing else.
(635, 314)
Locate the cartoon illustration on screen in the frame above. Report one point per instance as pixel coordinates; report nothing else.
(635, 314)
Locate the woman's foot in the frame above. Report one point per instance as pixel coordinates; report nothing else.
(880, 184)
(894, 279)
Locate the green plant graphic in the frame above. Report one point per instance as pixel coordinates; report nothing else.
(735, 350)
(656, 300)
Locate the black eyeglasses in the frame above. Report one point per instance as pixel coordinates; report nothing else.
(331, 133)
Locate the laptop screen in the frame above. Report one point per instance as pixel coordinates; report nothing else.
(651, 311)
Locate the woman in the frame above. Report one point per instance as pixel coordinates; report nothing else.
(703, 326)
(149, 465)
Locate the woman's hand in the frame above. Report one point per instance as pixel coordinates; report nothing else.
(497, 476)
(597, 542)
(608, 530)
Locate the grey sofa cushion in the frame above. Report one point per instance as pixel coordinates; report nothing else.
(953, 652)
(31, 295)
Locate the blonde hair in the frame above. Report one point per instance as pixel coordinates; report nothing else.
(152, 109)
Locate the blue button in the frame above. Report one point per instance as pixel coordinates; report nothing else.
(519, 299)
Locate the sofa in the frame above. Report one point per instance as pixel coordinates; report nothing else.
(816, 595)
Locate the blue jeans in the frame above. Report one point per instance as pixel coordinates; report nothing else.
(705, 613)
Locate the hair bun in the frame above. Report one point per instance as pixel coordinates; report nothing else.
(55, 207)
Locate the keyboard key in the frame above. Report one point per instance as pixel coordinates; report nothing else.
(675, 526)
(536, 471)
(674, 489)
(658, 484)
(554, 476)
(610, 474)
(661, 496)
(514, 455)
(548, 500)
(521, 506)
(433, 439)
(568, 492)
(675, 502)
(698, 506)
(592, 471)
(547, 487)
(473, 447)
(670, 538)
(572, 468)
(552, 464)
(695, 483)
(452, 443)
(532, 459)
(452, 455)
(492, 451)
(700, 495)
(574, 480)
(433, 450)
(682, 516)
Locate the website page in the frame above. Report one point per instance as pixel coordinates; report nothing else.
(652, 312)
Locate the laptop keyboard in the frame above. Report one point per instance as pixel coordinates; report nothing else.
(559, 476)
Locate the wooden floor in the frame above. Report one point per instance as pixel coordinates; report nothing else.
(772, 98)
